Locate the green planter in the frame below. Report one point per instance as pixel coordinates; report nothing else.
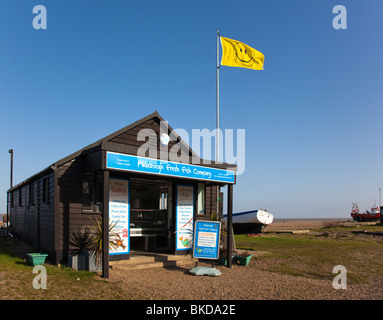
(35, 259)
(223, 259)
(244, 261)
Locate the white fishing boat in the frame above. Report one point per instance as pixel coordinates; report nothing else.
(251, 221)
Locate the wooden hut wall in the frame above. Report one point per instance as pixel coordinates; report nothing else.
(211, 200)
(32, 219)
(129, 137)
(17, 214)
(47, 213)
(32, 213)
(70, 218)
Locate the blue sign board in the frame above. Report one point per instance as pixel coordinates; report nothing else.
(168, 168)
(206, 239)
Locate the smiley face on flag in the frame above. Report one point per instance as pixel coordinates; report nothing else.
(238, 54)
(243, 55)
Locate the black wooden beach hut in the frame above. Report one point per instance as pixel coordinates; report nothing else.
(112, 179)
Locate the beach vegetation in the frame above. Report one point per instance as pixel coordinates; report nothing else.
(314, 256)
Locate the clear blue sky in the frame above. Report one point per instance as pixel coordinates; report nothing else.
(313, 117)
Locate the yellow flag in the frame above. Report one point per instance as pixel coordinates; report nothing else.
(238, 54)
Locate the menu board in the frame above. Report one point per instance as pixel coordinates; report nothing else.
(119, 214)
(206, 239)
(184, 217)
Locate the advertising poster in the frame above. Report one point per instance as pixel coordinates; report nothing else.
(119, 213)
(206, 239)
(184, 217)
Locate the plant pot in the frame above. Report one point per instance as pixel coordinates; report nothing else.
(76, 262)
(223, 259)
(35, 259)
(90, 262)
(244, 261)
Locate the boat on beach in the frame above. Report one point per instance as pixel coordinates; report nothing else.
(372, 215)
(251, 221)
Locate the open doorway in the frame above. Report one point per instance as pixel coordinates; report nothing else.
(150, 216)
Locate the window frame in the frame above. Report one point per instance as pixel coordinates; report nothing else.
(20, 194)
(46, 192)
(96, 200)
(31, 193)
(203, 197)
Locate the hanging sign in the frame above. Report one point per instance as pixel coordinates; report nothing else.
(206, 239)
(127, 162)
(184, 217)
(119, 214)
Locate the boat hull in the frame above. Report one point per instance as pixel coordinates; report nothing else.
(250, 221)
(372, 215)
(246, 228)
(360, 217)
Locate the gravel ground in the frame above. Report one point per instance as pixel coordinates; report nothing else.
(240, 282)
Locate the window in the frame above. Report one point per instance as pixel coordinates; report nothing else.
(12, 199)
(32, 194)
(92, 192)
(20, 197)
(46, 190)
(201, 199)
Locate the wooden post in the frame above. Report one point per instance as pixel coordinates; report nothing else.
(229, 223)
(105, 224)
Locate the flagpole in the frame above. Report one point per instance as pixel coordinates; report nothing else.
(217, 87)
(217, 133)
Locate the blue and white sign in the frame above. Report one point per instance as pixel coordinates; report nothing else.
(184, 217)
(168, 168)
(206, 239)
(119, 214)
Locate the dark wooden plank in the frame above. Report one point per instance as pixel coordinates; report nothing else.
(105, 223)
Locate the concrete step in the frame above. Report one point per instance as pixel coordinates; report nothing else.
(150, 265)
(152, 260)
(136, 266)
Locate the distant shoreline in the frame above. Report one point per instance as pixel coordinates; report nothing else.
(310, 219)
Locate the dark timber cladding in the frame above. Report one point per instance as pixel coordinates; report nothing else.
(48, 207)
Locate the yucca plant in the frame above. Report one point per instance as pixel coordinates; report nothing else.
(97, 236)
(80, 240)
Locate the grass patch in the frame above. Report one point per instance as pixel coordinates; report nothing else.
(339, 228)
(16, 278)
(315, 257)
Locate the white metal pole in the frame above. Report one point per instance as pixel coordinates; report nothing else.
(217, 139)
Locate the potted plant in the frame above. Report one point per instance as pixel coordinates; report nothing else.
(93, 253)
(223, 256)
(244, 258)
(79, 241)
(35, 259)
